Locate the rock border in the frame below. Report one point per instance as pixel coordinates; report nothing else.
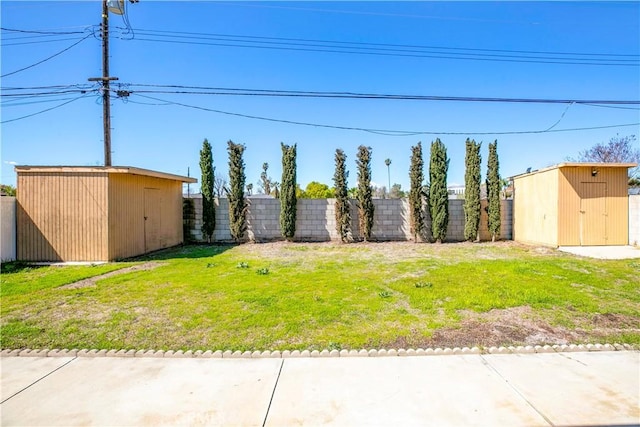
(229, 354)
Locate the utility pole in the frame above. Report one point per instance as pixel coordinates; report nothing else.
(105, 79)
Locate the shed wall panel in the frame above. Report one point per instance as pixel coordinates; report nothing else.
(127, 214)
(574, 222)
(535, 209)
(62, 217)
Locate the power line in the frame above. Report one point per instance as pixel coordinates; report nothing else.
(37, 36)
(36, 94)
(331, 43)
(399, 54)
(381, 49)
(48, 32)
(129, 31)
(560, 119)
(45, 110)
(203, 90)
(209, 35)
(11, 99)
(613, 106)
(397, 15)
(78, 86)
(48, 58)
(12, 103)
(386, 132)
(41, 41)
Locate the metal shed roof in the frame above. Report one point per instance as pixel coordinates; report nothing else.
(577, 164)
(104, 169)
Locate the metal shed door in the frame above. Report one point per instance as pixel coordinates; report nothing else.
(593, 214)
(152, 224)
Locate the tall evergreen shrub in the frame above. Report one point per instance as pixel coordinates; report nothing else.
(472, 190)
(343, 212)
(365, 192)
(438, 196)
(237, 203)
(288, 198)
(206, 188)
(416, 178)
(493, 191)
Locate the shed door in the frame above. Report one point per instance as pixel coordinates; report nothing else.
(593, 214)
(151, 219)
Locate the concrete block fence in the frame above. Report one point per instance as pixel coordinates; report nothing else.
(316, 220)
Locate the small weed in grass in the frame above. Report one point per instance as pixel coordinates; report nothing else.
(263, 271)
(242, 265)
(384, 294)
(424, 285)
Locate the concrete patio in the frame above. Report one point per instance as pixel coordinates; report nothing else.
(603, 252)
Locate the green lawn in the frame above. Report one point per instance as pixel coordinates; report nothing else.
(315, 296)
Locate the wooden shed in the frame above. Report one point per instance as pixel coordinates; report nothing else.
(69, 213)
(572, 204)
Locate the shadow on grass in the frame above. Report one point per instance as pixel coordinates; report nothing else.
(192, 251)
(17, 267)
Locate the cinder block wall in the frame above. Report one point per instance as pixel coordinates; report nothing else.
(506, 220)
(390, 219)
(455, 230)
(222, 233)
(634, 220)
(316, 221)
(263, 219)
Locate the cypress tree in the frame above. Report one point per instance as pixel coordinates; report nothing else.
(472, 190)
(343, 212)
(237, 203)
(493, 191)
(416, 178)
(206, 188)
(438, 196)
(288, 198)
(365, 196)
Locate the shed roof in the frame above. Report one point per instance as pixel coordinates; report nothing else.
(104, 169)
(577, 164)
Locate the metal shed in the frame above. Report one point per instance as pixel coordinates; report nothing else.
(572, 204)
(69, 213)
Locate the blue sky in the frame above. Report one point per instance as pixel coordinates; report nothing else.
(168, 137)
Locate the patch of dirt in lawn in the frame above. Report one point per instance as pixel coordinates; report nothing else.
(616, 321)
(389, 251)
(520, 326)
(513, 326)
(91, 281)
